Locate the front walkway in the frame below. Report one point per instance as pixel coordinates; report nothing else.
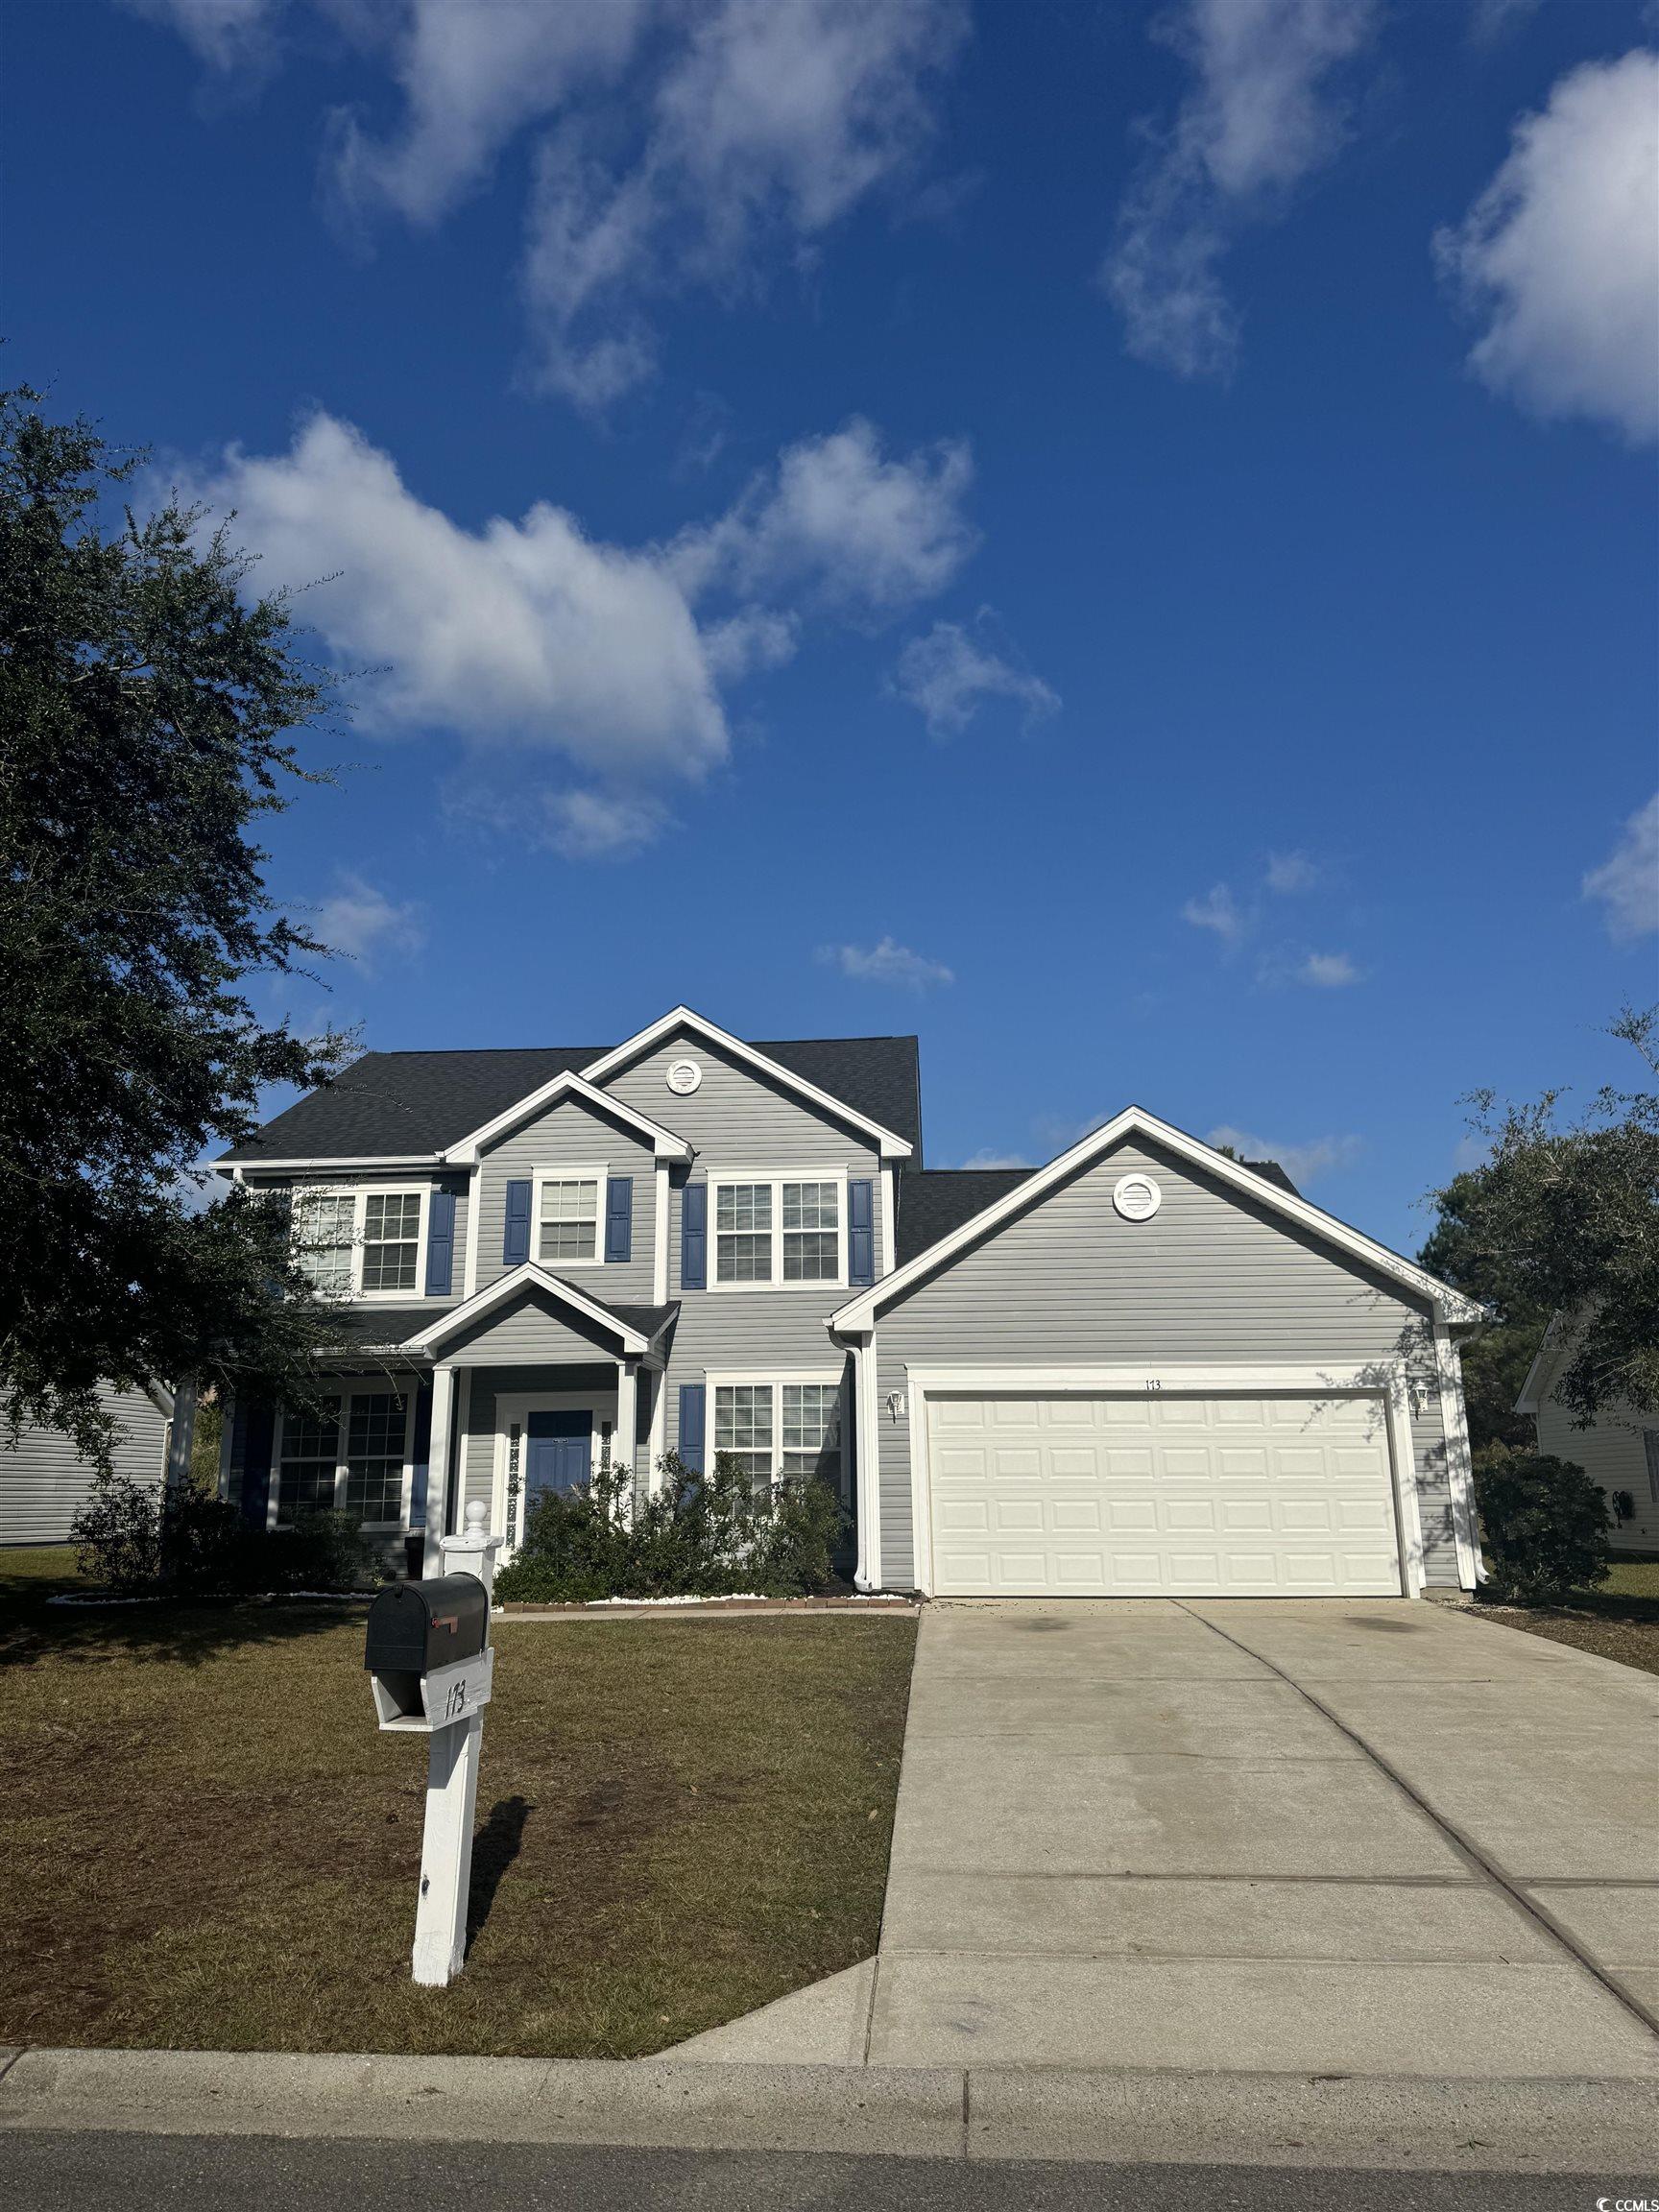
(1275, 1837)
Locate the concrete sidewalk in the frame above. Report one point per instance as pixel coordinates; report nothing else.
(1373, 1837)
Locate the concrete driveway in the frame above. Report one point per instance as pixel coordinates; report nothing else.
(1371, 1837)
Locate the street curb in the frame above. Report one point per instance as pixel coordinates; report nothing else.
(1398, 2122)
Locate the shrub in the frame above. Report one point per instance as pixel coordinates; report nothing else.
(1543, 1523)
(696, 1537)
(136, 1540)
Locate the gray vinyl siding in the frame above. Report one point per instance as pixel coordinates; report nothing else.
(479, 1391)
(573, 1134)
(739, 1120)
(1613, 1454)
(1211, 1279)
(529, 1327)
(44, 1482)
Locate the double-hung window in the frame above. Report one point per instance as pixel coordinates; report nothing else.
(779, 1230)
(567, 1202)
(360, 1243)
(346, 1452)
(781, 1430)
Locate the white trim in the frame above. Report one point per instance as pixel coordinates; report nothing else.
(892, 1146)
(474, 1210)
(438, 1446)
(889, 1219)
(600, 1178)
(867, 1464)
(1386, 1381)
(377, 1386)
(518, 1406)
(775, 1378)
(359, 1194)
(664, 1143)
(657, 1440)
(1459, 1470)
(775, 1178)
(1531, 1388)
(239, 1170)
(1135, 1122)
(660, 1244)
(527, 1276)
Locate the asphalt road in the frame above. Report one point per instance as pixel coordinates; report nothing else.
(45, 2172)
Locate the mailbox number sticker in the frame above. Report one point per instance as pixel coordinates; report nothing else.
(456, 1704)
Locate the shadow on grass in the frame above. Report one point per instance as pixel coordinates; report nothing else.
(495, 1847)
(186, 1634)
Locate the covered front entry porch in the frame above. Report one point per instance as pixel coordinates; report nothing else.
(536, 1385)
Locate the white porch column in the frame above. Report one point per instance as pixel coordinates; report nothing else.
(625, 1449)
(438, 1468)
(181, 1436)
(657, 1442)
(660, 1250)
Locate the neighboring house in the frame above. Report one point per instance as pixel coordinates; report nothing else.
(1620, 1450)
(44, 1481)
(1141, 1369)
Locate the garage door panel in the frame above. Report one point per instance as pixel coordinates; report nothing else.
(1251, 1496)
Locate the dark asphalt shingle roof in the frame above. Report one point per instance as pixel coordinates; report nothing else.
(934, 1201)
(389, 1104)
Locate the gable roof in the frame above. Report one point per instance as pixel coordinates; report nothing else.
(406, 1108)
(890, 1142)
(858, 1314)
(633, 1327)
(664, 1144)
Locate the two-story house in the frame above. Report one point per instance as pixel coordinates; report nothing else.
(1146, 1368)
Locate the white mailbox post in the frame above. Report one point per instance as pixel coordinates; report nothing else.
(445, 1702)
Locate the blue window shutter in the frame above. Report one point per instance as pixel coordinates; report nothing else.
(861, 1232)
(694, 1397)
(421, 1456)
(257, 1424)
(694, 1237)
(440, 1243)
(620, 1219)
(516, 1233)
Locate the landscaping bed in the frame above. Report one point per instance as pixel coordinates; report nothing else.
(1619, 1620)
(208, 1845)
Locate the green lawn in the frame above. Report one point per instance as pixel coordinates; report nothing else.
(208, 1845)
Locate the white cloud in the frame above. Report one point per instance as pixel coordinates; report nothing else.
(531, 634)
(1263, 114)
(603, 825)
(1305, 1162)
(1217, 911)
(1560, 253)
(227, 34)
(1627, 880)
(947, 676)
(888, 962)
(360, 922)
(841, 521)
(1327, 971)
(765, 122)
(988, 1157)
(473, 77)
(1288, 873)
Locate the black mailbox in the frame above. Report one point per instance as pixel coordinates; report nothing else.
(416, 1628)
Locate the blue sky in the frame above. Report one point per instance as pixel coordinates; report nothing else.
(1118, 538)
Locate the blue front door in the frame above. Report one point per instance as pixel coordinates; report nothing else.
(560, 1455)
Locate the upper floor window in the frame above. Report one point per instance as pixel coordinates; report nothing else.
(359, 1243)
(779, 1230)
(567, 1215)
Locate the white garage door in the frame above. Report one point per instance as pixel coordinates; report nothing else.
(1160, 1496)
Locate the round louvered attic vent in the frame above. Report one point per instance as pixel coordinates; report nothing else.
(1136, 1197)
(683, 1077)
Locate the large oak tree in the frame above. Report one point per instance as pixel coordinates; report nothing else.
(149, 711)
